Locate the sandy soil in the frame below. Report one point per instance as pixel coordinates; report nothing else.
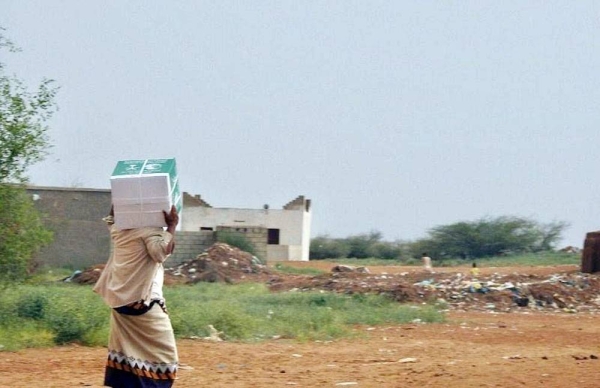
(524, 348)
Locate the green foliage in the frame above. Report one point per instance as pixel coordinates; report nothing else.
(43, 315)
(544, 258)
(298, 271)
(250, 312)
(23, 141)
(27, 334)
(236, 239)
(75, 315)
(388, 250)
(359, 246)
(23, 118)
(488, 237)
(32, 305)
(527, 259)
(21, 233)
(362, 245)
(324, 247)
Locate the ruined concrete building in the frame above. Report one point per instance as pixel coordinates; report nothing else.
(277, 234)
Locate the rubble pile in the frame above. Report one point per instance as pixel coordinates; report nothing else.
(568, 292)
(219, 263)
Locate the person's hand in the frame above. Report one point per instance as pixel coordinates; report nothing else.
(171, 218)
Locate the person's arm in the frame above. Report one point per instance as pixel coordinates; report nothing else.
(172, 219)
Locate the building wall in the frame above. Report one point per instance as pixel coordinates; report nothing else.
(257, 236)
(293, 225)
(188, 245)
(81, 238)
(74, 215)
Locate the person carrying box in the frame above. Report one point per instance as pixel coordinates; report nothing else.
(141, 351)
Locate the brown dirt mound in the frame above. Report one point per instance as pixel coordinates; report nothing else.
(219, 263)
(89, 276)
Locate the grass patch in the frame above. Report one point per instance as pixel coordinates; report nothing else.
(366, 262)
(44, 315)
(51, 314)
(530, 259)
(249, 312)
(525, 260)
(286, 269)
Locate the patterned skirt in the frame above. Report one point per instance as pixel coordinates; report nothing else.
(141, 350)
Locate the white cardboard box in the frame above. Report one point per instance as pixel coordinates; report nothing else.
(142, 189)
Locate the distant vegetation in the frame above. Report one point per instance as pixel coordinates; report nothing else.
(23, 141)
(483, 238)
(527, 259)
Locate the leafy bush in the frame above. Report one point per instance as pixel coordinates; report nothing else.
(21, 233)
(324, 247)
(236, 239)
(32, 306)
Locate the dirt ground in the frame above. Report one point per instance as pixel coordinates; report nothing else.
(504, 346)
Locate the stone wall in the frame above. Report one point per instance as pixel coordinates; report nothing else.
(74, 215)
(188, 245)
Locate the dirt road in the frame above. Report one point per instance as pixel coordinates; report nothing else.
(470, 350)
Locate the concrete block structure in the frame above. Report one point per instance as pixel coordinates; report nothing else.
(277, 234)
(74, 215)
(81, 238)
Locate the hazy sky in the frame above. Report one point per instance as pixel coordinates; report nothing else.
(394, 116)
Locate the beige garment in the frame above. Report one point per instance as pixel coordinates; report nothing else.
(137, 256)
(143, 344)
(426, 262)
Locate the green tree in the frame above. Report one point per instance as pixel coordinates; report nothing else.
(363, 246)
(388, 250)
(489, 237)
(23, 118)
(325, 247)
(23, 141)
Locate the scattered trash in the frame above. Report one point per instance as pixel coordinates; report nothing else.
(214, 334)
(407, 360)
(568, 292)
(515, 357)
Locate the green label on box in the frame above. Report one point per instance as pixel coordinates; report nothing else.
(159, 166)
(146, 166)
(128, 167)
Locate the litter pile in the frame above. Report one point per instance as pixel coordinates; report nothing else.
(565, 291)
(569, 292)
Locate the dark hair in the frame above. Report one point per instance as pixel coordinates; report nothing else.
(424, 254)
